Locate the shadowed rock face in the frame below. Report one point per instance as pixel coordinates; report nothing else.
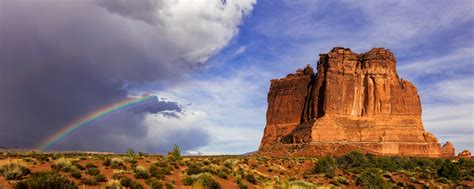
(355, 101)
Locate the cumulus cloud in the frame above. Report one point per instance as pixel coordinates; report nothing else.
(62, 60)
(231, 107)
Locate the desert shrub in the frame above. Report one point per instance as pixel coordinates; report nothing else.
(222, 174)
(342, 180)
(76, 174)
(449, 170)
(113, 184)
(370, 178)
(251, 178)
(61, 164)
(386, 163)
(424, 162)
(117, 163)
(169, 186)
(78, 166)
(240, 184)
(229, 163)
(206, 181)
(41, 157)
(125, 181)
(202, 180)
(141, 173)
(90, 165)
(187, 180)
(443, 180)
(132, 184)
(406, 163)
(326, 165)
(14, 171)
(92, 171)
(50, 180)
(354, 159)
(300, 184)
(194, 169)
(154, 183)
(89, 181)
(107, 162)
(100, 178)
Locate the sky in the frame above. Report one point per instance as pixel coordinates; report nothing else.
(210, 64)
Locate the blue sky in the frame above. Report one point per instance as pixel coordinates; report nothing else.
(210, 64)
(431, 40)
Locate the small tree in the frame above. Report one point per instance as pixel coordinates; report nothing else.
(176, 153)
(370, 178)
(130, 152)
(326, 165)
(449, 170)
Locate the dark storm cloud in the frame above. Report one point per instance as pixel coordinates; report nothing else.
(59, 61)
(154, 106)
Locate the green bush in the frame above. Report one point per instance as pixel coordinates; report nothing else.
(154, 183)
(169, 186)
(387, 164)
(89, 181)
(326, 165)
(206, 181)
(194, 169)
(76, 174)
(107, 162)
(187, 180)
(370, 178)
(100, 178)
(251, 178)
(449, 170)
(13, 171)
(141, 173)
(342, 180)
(90, 165)
(92, 171)
(297, 184)
(354, 159)
(48, 180)
(117, 163)
(127, 182)
(202, 180)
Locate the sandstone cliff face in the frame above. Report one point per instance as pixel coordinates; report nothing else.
(355, 101)
(447, 150)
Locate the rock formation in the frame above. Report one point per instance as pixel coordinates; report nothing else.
(447, 150)
(465, 154)
(353, 102)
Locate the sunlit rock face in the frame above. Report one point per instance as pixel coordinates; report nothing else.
(353, 102)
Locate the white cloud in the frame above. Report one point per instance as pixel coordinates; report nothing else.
(232, 109)
(202, 28)
(446, 64)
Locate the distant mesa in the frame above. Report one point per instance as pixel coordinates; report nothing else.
(353, 102)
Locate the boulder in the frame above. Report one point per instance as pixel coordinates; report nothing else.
(465, 154)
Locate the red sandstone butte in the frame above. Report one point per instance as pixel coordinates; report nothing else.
(465, 154)
(353, 102)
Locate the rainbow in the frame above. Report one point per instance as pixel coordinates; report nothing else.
(92, 117)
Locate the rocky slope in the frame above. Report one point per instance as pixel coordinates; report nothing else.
(354, 101)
